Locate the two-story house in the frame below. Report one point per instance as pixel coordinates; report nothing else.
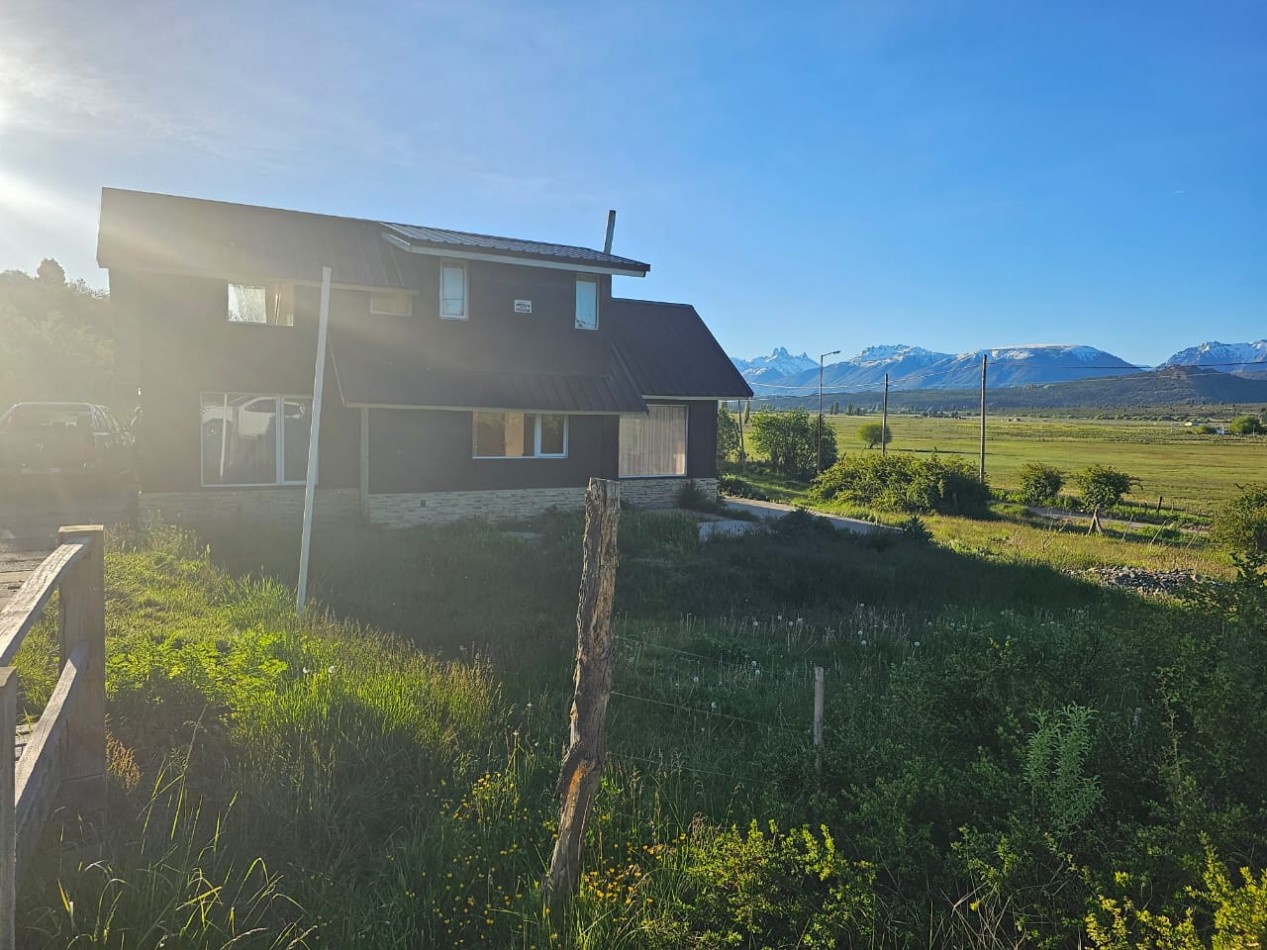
(466, 375)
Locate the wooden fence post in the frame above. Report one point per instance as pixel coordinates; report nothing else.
(8, 809)
(818, 718)
(83, 620)
(587, 747)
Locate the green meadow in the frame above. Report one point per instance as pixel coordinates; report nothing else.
(1191, 471)
(1014, 755)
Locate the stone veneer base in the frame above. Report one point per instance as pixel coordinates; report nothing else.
(342, 506)
(332, 507)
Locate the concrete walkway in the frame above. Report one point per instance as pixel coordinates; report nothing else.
(763, 511)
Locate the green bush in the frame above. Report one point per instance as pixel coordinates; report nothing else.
(736, 487)
(764, 888)
(905, 483)
(1040, 483)
(1241, 524)
(1103, 486)
(728, 440)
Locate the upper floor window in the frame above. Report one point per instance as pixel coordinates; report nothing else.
(453, 291)
(586, 303)
(260, 303)
(395, 303)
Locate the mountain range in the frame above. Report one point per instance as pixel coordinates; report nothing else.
(911, 367)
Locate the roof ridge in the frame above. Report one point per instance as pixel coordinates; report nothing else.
(658, 303)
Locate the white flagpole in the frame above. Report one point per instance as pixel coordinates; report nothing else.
(314, 437)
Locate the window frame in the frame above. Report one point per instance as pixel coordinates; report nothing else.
(466, 291)
(536, 434)
(402, 294)
(686, 441)
(276, 293)
(577, 302)
(279, 448)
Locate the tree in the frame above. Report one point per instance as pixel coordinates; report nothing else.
(1247, 425)
(1102, 486)
(727, 434)
(871, 434)
(1241, 524)
(787, 439)
(1040, 483)
(50, 272)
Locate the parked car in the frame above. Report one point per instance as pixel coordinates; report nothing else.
(45, 442)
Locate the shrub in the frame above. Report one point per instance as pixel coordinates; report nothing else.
(905, 483)
(871, 434)
(764, 888)
(1102, 486)
(1040, 483)
(728, 442)
(736, 487)
(1241, 524)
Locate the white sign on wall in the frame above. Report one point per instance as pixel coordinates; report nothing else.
(523, 306)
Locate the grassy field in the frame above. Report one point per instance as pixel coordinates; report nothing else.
(1192, 472)
(1014, 756)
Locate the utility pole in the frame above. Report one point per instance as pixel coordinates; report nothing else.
(884, 419)
(822, 356)
(984, 358)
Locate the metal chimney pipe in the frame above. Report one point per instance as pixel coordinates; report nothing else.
(611, 231)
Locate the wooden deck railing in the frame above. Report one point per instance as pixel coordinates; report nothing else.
(64, 760)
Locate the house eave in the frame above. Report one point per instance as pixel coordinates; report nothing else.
(466, 254)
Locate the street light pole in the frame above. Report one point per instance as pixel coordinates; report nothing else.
(819, 440)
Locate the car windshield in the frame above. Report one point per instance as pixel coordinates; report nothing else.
(47, 417)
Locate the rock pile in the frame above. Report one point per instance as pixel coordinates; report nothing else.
(1141, 579)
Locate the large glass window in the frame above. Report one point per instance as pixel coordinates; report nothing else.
(256, 303)
(453, 291)
(653, 444)
(586, 303)
(249, 439)
(520, 435)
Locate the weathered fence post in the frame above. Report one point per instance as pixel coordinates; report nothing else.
(818, 718)
(587, 747)
(83, 620)
(8, 808)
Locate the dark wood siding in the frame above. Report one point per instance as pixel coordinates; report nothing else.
(494, 338)
(188, 347)
(701, 439)
(419, 450)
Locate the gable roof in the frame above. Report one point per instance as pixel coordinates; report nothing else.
(174, 234)
(670, 352)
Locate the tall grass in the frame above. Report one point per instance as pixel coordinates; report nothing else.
(1001, 741)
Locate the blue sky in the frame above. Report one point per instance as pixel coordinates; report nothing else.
(945, 174)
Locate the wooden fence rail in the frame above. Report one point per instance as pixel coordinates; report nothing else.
(64, 760)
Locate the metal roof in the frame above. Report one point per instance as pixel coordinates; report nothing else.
(670, 352)
(174, 234)
(465, 240)
(179, 235)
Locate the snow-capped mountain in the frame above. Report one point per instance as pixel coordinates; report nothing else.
(779, 363)
(1229, 357)
(911, 367)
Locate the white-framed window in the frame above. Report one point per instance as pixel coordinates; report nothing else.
(254, 439)
(453, 291)
(394, 303)
(265, 304)
(653, 444)
(586, 303)
(500, 435)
